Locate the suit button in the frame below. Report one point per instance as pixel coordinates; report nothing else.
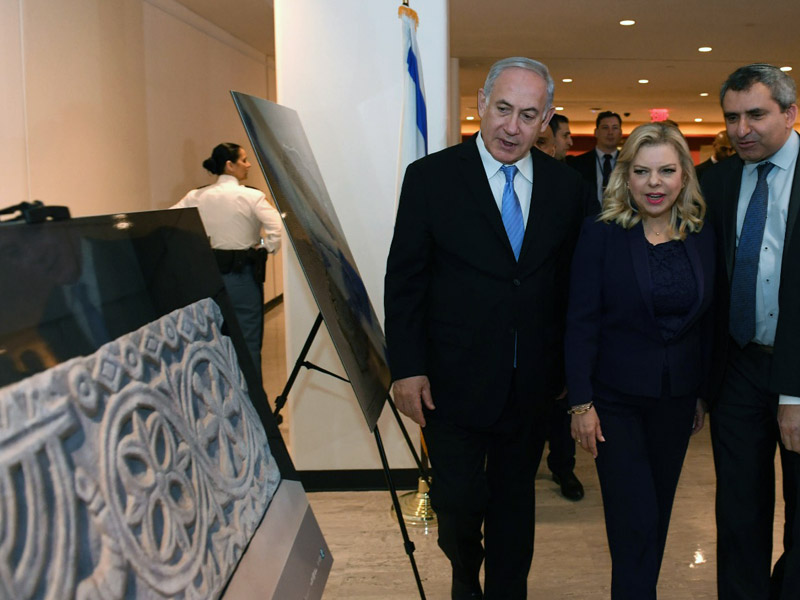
(516, 282)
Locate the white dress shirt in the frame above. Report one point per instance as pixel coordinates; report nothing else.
(599, 158)
(234, 215)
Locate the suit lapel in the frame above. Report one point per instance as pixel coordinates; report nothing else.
(794, 208)
(637, 244)
(690, 244)
(544, 206)
(730, 203)
(473, 176)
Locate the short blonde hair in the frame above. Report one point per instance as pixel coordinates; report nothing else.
(689, 208)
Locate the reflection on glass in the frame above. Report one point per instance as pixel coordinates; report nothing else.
(313, 227)
(66, 288)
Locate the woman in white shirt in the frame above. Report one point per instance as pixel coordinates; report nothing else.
(242, 228)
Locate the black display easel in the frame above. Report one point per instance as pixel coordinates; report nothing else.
(280, 402)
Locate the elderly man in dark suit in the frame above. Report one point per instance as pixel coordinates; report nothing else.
(753, 203)
(476, 285)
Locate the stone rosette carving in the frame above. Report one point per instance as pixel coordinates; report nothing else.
(141, 471)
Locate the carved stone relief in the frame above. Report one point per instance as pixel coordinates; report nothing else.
(141, 471)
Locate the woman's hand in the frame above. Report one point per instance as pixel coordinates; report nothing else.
(699, 416)
(586, 431)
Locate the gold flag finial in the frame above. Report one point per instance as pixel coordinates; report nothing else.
(408, 12)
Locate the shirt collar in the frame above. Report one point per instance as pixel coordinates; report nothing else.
(227, 179)
(601, 154)
(492, 166)
(782, 158)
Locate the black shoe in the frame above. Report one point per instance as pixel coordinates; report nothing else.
(571, 488)
(465, 588)
(461, 594)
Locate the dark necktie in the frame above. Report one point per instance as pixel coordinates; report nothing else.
(511, 211)
(606, 169)
(745, 269)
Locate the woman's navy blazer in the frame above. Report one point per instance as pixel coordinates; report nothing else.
(612, 335)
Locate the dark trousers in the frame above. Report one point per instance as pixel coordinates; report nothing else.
(561, 458)
(247, 298)
(744, 433)
(639, 465)
(486, 477)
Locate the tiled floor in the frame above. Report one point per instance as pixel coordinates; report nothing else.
(571, 557)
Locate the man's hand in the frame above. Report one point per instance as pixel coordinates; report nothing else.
(409, 393)
(699, 416)
(789, 423)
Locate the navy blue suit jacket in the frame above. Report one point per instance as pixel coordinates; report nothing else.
(612, 334)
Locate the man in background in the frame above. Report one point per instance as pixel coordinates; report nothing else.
(546, 142)
(596, 165)
(556, 140)
(721, 149)
(561, 135)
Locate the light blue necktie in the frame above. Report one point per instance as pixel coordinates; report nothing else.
(511, 211)
(745, 269)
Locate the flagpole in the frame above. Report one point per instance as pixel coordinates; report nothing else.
(415, 506)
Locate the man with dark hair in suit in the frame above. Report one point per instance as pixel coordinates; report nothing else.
(546, 141)
(562, 136)
(475, 301)
(753, 204)
(597, 164)
(556, 140)
(721, 149)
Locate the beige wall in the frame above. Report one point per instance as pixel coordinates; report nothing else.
(112, 105)
(13, 155)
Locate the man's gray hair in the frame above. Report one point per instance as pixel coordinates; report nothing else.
(520, 62)
(781, 87)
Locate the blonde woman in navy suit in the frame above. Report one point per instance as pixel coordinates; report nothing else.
(638, 344)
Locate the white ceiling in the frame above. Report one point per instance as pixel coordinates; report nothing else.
(582, 39)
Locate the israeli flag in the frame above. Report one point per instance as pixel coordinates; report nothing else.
(414, 127)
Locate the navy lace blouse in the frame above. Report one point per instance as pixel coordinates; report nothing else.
(674, 287)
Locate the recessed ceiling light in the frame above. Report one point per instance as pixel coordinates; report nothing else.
(786, 69)
(559, 108)
(627, 22)
(698, 120)
(704, 49)
(704, 94)
(644, 81)
(567, 80)
(470, 118)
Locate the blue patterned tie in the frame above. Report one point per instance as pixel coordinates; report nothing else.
(745, 269)
(511, 211)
